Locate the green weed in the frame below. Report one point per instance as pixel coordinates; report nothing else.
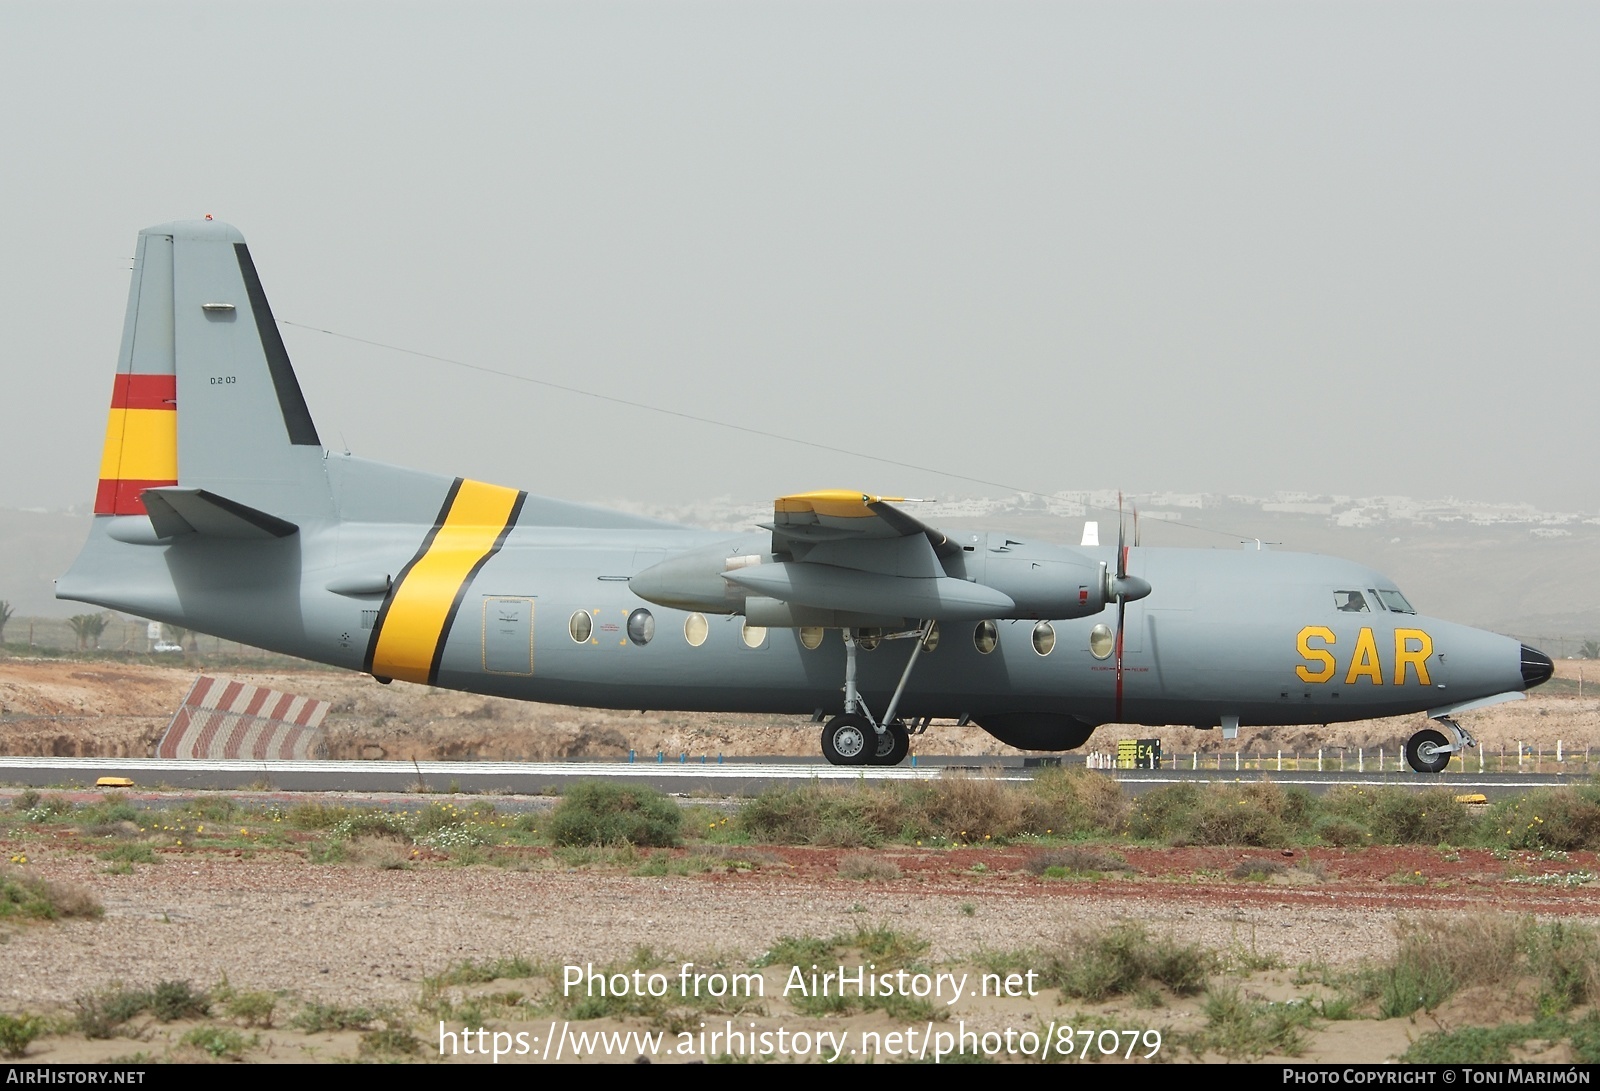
(1120, 961)
(17, 1032)
(221, 1042)
(1239, 1028)
(24, 894)
(601, 813)
(315, 1018)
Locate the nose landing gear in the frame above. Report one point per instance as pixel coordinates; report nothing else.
(1428, 751)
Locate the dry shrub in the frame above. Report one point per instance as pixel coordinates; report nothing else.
(28, 894)
(1563, 818)
(383, 853)
(1120, 961)
(740, 855)
(875, 814)
(867, 867)
(823, 815)
(1565, 958)
(1342, 833)
(972, 808)
(72, 900)
(1239, 814)
(1436, 957)
(601, 813)
(1258, 869)
(1398, 816)
(1076, 801)
(1074, 860)
(1164, 814)
(958, 808)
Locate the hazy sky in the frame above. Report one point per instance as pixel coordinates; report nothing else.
(1229, 247)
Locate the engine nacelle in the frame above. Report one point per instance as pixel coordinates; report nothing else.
(692, 580)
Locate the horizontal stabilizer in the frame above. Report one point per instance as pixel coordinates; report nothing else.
(826, 587)
(176, 511)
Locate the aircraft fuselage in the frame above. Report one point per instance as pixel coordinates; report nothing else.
(1249, 634)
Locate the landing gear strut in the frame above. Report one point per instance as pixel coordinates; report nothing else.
(1428, 751)
(855, 738)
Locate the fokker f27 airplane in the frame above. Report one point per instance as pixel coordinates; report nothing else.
(219, 509)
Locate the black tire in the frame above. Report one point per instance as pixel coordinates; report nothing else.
(848, 740)
(893, 746)
(1422, 751)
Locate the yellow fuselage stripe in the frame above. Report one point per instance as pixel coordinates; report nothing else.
(141, 445)
(413, 624)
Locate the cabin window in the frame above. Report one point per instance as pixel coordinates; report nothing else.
(1044, 638)
(1350, 602)
(1101, 641)
(985, 636)
(580, 627)
(752, 635)
(1395, 601)
(811, 638)
(696, 629)
(641, 626)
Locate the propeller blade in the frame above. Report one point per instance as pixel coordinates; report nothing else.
(1122, 607)
(1124, 587)
(1122, 540)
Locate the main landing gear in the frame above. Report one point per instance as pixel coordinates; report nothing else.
(1428, 751)
(854, 737)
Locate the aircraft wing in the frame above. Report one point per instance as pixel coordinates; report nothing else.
(807, 519)
(851, 551)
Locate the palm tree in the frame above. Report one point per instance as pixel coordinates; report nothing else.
(88, 627)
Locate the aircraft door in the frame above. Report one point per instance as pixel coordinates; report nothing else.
(508, 635)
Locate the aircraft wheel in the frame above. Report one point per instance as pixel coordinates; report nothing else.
(893, 746)
(848, 740)
(1425, 752)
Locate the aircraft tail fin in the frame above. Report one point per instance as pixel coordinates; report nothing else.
(205, 396)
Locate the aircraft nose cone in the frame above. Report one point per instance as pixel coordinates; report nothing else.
(1536, 667)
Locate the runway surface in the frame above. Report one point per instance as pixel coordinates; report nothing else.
(746, 776)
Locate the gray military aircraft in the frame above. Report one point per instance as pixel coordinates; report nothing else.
(219, 510)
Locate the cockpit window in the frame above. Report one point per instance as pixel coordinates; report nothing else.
(1395, 601)
(1350, 602)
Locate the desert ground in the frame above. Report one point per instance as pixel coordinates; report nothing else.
(112, 708)
(407, 944)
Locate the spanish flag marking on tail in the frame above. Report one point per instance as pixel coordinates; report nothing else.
(409, 636)
(141, 450)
